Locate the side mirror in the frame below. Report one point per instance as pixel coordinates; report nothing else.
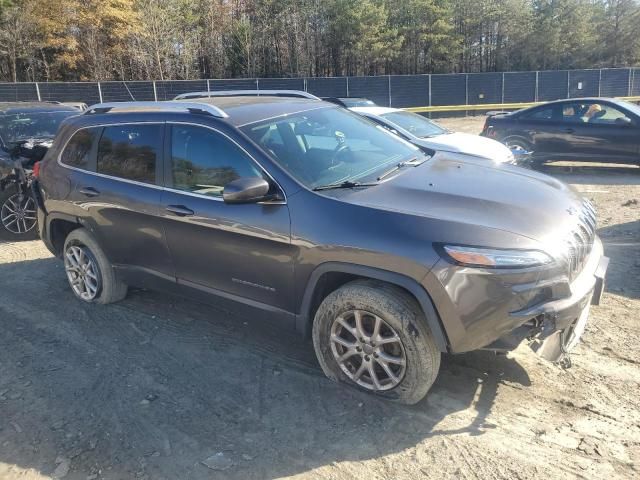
(245, 190)
(625, 121)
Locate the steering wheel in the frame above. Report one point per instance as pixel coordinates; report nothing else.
(341, 149)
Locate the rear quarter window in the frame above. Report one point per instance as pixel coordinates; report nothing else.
(77, 152)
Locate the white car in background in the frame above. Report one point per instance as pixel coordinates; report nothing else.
(424, 133)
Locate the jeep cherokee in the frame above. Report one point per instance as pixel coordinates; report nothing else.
(310, 215)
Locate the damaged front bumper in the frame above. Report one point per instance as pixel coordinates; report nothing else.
(556, 327)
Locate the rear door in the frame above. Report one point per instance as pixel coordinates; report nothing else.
(242, 252)
(117, 192)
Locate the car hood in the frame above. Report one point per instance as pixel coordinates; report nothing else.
(468, 144)
(475, 192)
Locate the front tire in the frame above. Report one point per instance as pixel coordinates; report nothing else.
(18, 219)
(374, 336)
(89, 272)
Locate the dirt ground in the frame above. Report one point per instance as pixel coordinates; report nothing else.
(158, 387)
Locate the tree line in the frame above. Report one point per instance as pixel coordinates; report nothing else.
(69, 40)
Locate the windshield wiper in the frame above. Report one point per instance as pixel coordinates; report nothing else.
(345, 184)
(414, 162)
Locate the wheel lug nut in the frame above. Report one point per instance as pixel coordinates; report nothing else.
(359, 349)
(367, 358)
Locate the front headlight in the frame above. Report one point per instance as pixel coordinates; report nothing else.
(496, 258)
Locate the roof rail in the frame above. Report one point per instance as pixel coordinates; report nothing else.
(247, 93)
(192, 107)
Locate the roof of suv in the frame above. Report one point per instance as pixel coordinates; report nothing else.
(243, 110)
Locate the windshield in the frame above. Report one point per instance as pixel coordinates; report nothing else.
(330, 145)
(415, 124)
(26, 125)
(632, 107)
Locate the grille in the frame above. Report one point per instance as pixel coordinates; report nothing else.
(580, 239)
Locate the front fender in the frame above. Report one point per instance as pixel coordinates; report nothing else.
(303, 318)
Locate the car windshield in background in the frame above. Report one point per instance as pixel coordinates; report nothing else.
(357, 102)
(16, 127)
(632, 107)
(331, 145)
(415, 124)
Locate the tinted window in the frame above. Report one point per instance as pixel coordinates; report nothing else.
(130, 152)
(593, 113)
(545, 113)
(203, 161)
(78, 149)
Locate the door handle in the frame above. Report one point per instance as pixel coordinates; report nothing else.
(89, 192)
(180, 210)
(569, 130)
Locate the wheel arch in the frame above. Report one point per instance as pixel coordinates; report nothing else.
(330, 276)
(57, 230)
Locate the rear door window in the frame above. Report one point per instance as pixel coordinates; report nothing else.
(77, 153)
(130, 152)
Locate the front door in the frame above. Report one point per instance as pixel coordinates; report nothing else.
(242, 252)
(598, 131)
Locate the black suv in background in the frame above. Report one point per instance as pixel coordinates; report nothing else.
(26, 132)
(307, 214)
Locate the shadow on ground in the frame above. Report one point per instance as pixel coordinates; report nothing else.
(583, 173)
(151, 387)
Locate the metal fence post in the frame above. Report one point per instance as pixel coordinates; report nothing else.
(631, 75)
(38, 92)
(208, 85)
(536, 94)
(304, 82)
(502, 88)
(466, 89)
(600, 82)
(568, 83)
(389, 88)
(155, 91)
(429, 89)
(100, 92)
(347, 85)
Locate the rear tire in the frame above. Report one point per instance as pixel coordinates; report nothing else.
(402, 357)
(17, 216)
(89, 272)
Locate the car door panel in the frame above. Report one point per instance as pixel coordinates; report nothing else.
(241, 250)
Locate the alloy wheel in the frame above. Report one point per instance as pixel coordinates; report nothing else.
(368, 350)
(18, 214)
(82, 272)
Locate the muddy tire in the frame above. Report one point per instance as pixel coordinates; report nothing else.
(375, 337)
(91, 276)
(17, 216)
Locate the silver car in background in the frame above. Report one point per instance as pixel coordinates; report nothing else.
(424, 133)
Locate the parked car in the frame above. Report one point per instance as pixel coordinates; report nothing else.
(302, 212)
(26, 131)
(349, 102)
(581, 129)
(423, 132)
(77, 105)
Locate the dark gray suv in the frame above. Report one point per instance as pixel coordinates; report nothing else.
(306, 214)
